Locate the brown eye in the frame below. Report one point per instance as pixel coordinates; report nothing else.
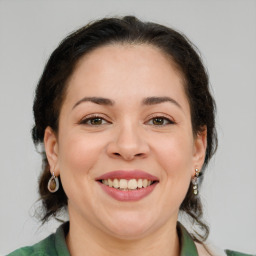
(94, 121)
(158, 121)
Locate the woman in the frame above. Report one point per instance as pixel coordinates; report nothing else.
(127, 121)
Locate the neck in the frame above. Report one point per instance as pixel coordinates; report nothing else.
(82, 237)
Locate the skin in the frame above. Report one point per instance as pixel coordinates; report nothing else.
(127, 136)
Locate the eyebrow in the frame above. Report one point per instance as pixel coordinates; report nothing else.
(96, 100)
(158, 100)
(109, 102)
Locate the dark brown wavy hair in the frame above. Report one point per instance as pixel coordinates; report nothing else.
(52, 87)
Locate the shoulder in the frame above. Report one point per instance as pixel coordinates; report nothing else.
(53, 245)
(43, 248)
(233, 253)
(208, 249)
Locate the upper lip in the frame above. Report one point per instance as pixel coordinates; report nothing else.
(133, 174)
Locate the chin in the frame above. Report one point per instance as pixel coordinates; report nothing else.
(129, 227)
(128, 232)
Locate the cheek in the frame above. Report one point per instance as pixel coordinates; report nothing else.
(78, 157)
(175, 155)
(78, 154)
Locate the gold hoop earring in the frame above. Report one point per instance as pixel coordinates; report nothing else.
(53, 183)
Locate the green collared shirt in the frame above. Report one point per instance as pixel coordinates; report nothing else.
(55, 245)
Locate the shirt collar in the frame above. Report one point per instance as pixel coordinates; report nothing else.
(187, 245)
(60, 240)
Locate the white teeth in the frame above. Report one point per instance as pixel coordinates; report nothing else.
(124, 184)
(110, 183)
(115, 183)
(132, 184)
(105, 182)
(139, 183)
(144, 183)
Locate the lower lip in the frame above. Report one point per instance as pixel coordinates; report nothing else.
(128, 195)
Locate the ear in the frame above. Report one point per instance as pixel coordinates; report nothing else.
(51, 149)
(200, 145)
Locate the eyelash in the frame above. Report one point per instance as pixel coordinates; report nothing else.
(90, 118)
(165, 120)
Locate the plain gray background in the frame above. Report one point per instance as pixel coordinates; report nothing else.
(225, 33)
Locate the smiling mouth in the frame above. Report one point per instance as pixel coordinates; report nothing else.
(126, 185)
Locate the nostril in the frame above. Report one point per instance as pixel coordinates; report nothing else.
(126, 156)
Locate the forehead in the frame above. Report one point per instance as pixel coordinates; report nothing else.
(140, 54)
(129, 69)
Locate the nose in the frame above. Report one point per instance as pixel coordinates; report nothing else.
(128, 144)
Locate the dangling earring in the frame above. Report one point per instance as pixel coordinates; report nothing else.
(53, 183)
(195, 181)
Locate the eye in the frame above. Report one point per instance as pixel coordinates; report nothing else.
(94, 121)
(160, 121)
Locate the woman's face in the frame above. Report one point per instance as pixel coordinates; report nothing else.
(125, 122)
